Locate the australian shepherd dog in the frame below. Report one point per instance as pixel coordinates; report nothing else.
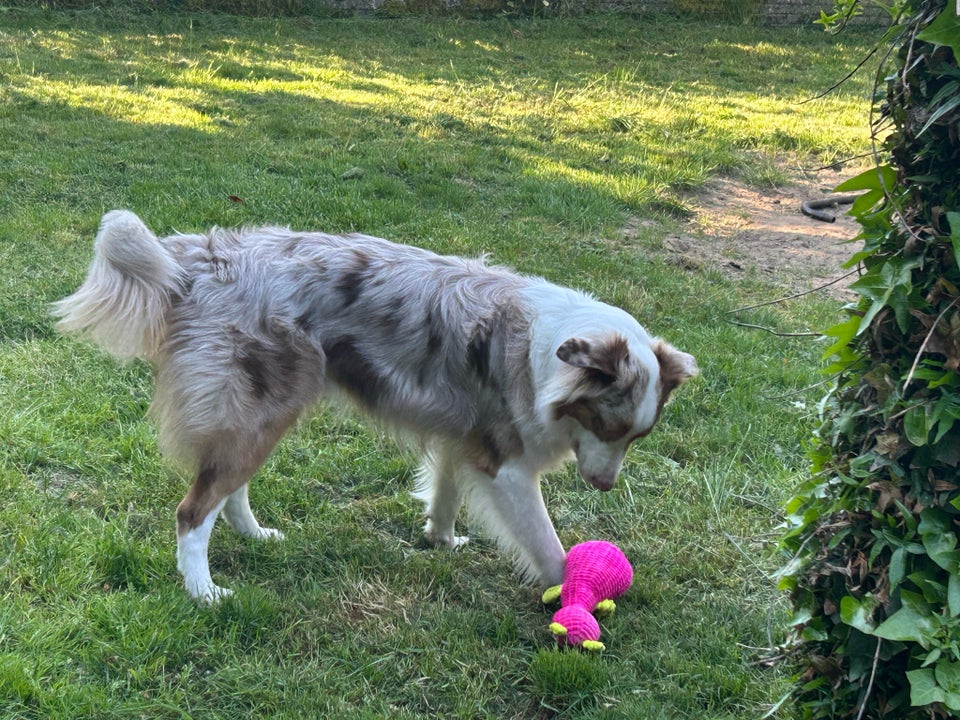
(493, 376)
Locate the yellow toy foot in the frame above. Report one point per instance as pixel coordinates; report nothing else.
(605, 607)
(551, 594)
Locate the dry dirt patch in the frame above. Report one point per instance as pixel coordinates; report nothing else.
(738, 229)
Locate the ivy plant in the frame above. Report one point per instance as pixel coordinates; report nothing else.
(872, 538)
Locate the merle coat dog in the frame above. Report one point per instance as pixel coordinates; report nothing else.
(495, 377)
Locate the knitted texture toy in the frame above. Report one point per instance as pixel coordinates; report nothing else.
(596, 573)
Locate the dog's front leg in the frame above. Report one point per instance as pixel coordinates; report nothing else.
(439, 487)
(510, 506)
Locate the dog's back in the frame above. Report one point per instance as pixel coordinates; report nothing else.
(261, 322)
(429, 345)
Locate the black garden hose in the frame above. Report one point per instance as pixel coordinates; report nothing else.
(814, 208)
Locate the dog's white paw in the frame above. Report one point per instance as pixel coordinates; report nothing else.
(216, 595)
(209, 593)
(268, 534)
(448, 540)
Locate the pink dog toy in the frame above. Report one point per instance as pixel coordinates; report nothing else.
(595, 574)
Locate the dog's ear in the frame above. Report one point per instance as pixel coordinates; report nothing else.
(676, 367)
(606, 358)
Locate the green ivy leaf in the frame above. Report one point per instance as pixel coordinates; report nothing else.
(939, 539)
(954, 219)
(940, 684)
(876, 178)
(887, 284)
(857, 614)
(944, 30)
(947, 675)
(916, 425)
(913, 622)
(933, 521)
(944, 414)
(843, 333)
(943, 105)
(932, 657)
(953, 594)
(942, 549)
(923, 687)
(898, 567)
(928, 581)
(877, 181)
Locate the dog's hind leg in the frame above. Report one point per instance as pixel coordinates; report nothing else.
(226, 468)
(438, 485)
(192, 562)
(237, 512)
(510, 506)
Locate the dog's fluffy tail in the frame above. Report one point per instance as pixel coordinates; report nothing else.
(123, 302)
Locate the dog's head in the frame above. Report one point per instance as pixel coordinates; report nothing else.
(614, 393)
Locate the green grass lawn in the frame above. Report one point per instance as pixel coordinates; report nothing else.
(535, 142)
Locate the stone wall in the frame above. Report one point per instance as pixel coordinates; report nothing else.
(767, 12)
(763, 12)
(801, 12)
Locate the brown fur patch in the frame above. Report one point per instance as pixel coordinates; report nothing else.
(589, 412)
(270, 369)
(489, 449)
(478, 355)
(604, 396)
(350, 285)
(674, 369)
(572, 349)
(607, 356)
(352, 371)
(229, 460)
(192, 510)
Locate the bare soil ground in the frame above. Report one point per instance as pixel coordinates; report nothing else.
(738, 230)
